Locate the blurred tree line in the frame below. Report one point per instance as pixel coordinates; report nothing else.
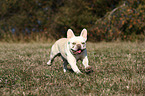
(42, 20)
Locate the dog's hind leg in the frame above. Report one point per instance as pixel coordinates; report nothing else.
(65, 63)
(54, 52)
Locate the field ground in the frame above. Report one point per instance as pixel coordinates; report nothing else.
(118, 69)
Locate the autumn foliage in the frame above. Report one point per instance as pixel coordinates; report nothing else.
(125, 22)
(41, 20)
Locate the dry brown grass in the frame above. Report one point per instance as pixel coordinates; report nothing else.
(119, 69)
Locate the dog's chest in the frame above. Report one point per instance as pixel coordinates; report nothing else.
(79, 56)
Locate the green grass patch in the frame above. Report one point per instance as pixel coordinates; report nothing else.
(118, 69)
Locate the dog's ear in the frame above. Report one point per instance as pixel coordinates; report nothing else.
(84, 33)
(70, 34)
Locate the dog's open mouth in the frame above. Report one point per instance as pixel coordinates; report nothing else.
(79, 51)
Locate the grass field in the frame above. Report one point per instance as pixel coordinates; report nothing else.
(118, 69)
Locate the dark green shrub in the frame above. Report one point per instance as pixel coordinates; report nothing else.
(126, 23)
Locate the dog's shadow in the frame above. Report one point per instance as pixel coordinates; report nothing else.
(89, 72)
(70, 70)
(83, 71)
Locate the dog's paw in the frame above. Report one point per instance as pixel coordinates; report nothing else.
(88, 69)
(49, 63)
(78, 72)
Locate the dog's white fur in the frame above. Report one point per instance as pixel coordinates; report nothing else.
(71, 49)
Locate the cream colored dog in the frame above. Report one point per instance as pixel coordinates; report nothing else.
(71, 49)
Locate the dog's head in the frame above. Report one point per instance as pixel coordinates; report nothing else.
(77, 44)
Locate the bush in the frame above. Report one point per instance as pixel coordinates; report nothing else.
(40, 19)
(125, 22)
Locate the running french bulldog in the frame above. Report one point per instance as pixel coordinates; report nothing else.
(71, 49)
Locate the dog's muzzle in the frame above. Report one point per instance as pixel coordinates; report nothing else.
(79, 51)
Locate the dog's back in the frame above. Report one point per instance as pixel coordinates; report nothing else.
(60, 46)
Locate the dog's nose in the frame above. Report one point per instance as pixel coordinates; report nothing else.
(79, 46)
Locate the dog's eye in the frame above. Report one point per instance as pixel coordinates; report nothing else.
(83, 42)
(74, 43)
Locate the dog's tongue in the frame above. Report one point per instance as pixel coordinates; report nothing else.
(79, 51)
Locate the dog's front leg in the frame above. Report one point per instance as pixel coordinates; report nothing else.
(85, 62)
(72, 61)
